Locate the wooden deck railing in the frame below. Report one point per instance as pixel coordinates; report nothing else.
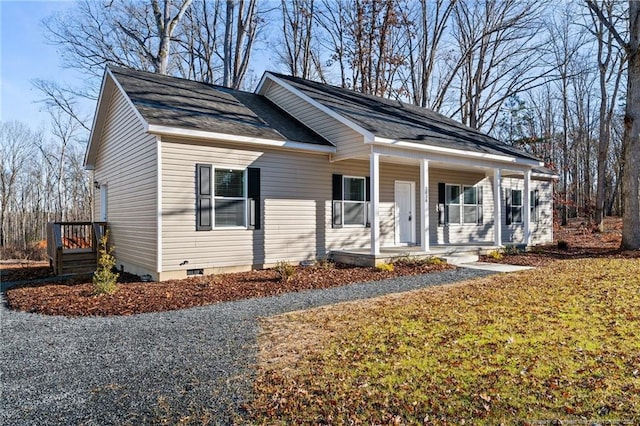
(64, 238)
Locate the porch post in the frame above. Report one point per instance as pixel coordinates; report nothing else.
(374, 173)
(526, 205)
(497, 208)
(424, 205)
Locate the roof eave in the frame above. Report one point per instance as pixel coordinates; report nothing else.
(203, 134)
(508, 159)
(368, 136)
(99, 117)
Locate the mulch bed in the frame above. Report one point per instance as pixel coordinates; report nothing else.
(580, 240)
(76, 297)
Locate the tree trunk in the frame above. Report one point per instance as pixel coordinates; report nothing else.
(631, 176)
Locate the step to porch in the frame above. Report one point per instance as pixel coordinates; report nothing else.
(460, 259)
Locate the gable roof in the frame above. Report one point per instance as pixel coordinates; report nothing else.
(396, 120)
(179, 103)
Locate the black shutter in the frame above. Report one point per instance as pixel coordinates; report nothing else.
(507, 205)
(441, 203)
(367, 190)
(203, 197)
(336, 203)
(480, 205)
(536, 205)
(253, 195)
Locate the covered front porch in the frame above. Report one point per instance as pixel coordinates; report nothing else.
(433, 228)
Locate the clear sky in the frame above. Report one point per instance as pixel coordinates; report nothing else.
(25, 55)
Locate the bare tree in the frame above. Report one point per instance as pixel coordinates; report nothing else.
(499, 56)
(241, 27)
(16, 148)
(125, 33)
(611, 63)
(563, 48)
(631, 140)
(296, 51)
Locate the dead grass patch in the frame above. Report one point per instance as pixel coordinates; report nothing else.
(554, 344)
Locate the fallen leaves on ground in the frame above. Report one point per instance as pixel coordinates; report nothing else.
(76, 298)
(582, 241)
(559, 343)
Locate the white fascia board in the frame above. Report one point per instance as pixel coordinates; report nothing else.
(201, 134)
(87, 165)
(101, 99)
(368, 136)
(459, 152)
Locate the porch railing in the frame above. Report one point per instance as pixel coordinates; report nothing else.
(65, 238)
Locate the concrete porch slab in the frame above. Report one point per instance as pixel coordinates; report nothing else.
(363, 256)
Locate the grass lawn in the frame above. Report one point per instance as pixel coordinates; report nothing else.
(557, 343)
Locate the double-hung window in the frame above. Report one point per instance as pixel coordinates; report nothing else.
(350, 201)
(460, 204)
(227, 198)
(534, 205)
(354, 200)
(230, 201)
(516, 206)
(453, 203)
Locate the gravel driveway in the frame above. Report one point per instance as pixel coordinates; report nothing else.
(151, 368)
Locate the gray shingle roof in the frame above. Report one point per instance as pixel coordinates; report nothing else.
(175, 102)
(396, 120)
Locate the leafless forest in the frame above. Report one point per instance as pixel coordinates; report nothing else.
(552, 78)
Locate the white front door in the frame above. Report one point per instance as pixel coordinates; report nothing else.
(405, 214)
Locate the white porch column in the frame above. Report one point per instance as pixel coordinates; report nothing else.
(497, 208)
(374, 174)
(424, 205)
(526, 205)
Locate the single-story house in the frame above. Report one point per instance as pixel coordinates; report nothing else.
(197, 178)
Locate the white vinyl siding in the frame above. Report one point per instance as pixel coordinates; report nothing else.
(126, 163)
(349, 143)
(542, 230)
(461, 233)
(295, 207)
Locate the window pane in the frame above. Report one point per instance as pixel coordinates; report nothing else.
(516, 197)
(354, 189)
(453, 194)
(470, 195)
(353, 213)
(516, 214)
(229, 183)
(229, 212)
(454, 214)
(470, 214)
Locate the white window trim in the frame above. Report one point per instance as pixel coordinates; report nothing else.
(534, 213)
(476, 205)
(364, 203)
(461, 205)
(215, 197)
(521, 205)
(448, 203)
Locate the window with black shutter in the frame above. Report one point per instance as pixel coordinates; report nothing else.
(203, 197)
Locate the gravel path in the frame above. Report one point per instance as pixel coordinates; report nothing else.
(152, 368)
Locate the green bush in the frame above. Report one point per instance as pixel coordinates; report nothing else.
(104, 279)
(285, 270)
